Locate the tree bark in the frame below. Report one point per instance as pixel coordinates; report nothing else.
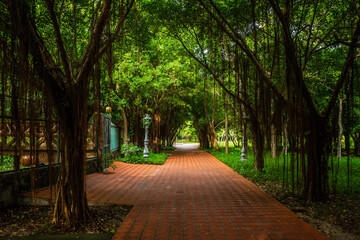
(258, 143)
(125, 125)
(356, 138)
(273, 141)
(202, 134)
(71, 202)
(340, 129)
(156, 133)
(226, 133)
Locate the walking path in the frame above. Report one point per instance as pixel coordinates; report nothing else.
(193, 196)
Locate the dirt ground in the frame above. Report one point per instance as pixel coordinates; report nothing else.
(29, 220)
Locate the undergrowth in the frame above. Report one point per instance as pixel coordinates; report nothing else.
(134, 154)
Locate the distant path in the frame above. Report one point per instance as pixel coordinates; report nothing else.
(187, 146)
(194, 196)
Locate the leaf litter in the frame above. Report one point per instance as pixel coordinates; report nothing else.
(36, 220)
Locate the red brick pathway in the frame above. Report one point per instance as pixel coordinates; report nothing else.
(194, 196)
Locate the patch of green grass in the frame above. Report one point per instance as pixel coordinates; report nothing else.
(222, 144)
(273, 171)
(154, 159)
(246, 169)
(338, 175)
(192, 141)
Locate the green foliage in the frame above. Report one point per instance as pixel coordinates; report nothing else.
(340, 173)
(168, 148)
(110, 161)
(154, 159)
(132, 153)
(188, 132)
(246, 169)
(273, 171)
(6, 163)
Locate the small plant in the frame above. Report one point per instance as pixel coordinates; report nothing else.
(110, 162)
(132, 153)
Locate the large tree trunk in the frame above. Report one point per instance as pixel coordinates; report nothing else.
(212, 136)
(226, 133)
(98, 118)
(156, 133)
(273, 141)
(356, 138)
(71, 204)
(203, 138)
(258, 143)
(317, 144)
(202, 134)
(340, 129)
(125, 126)
(66, 91)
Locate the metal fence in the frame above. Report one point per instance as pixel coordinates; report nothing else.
(17, 144)
(111, 140)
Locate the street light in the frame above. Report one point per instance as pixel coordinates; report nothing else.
(146, 124)
(244, 142)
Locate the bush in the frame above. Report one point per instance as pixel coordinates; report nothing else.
(156, 159)
(168, 148)
(132, 153)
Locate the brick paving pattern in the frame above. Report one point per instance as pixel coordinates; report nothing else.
(193, 196)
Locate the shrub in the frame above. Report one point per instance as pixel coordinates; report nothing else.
(132, 153)
(168, 148)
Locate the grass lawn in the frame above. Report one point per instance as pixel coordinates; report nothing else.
(273, 171)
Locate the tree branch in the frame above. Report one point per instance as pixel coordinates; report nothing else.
(349, 59)
(118, 28)
(246, 104)
(240, 41)
(59, 41)
(92, 47)
(42, 59)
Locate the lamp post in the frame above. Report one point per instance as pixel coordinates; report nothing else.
(244, 142)
(146, 123)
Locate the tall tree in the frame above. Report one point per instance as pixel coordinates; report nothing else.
(66, 87)
(299, 100)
